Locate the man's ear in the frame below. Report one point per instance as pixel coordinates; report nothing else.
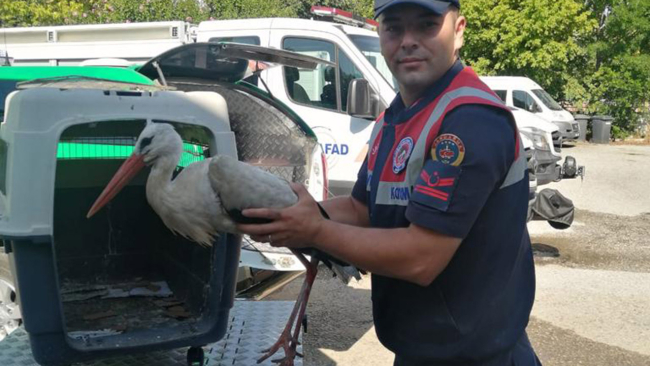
(459, 32)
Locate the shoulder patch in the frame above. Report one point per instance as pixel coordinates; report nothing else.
(402, 154)
(448, 149)
(435, 186)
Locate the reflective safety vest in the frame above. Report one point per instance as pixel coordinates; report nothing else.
(465, 88)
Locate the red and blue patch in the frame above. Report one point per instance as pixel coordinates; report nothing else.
(435, 186)
(402, 154)
(448, 149)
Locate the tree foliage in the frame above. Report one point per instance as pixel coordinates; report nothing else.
(593, 55)
(617, 74)
(534, 38)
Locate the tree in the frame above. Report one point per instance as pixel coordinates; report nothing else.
(37, 12)
(364, 8)
(534, 38)
(617, 75)
(593, 55)
(236, 9)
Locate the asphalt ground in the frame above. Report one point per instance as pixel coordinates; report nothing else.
(593, 280)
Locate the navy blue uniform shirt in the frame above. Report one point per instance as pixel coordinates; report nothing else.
(477, 309)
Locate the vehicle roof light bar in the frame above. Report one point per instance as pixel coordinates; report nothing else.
(344, 17)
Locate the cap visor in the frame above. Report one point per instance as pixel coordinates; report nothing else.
(437, 7)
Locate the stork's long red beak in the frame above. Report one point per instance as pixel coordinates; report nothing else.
(127, 171)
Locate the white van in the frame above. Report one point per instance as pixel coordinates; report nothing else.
(522, 92)
(542, 135)
(320, 96)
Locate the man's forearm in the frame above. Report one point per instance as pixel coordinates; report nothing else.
(347, 210)
(412, 254)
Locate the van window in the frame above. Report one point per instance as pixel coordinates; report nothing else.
(502, 94)
(348, 72)
(369, 47)
(325, 87)
(314, 87)
(547, 99)
(523, 100)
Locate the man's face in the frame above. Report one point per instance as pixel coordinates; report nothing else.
(418, 45)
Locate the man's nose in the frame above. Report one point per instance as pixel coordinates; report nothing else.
(409, 40)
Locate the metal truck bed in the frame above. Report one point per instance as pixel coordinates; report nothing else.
(253, 326)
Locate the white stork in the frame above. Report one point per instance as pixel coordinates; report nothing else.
(197, 202)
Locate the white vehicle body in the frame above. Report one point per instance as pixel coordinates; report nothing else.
(71, 44)
(542, 135)
(321, 100)
(322, 97)
(524, 93)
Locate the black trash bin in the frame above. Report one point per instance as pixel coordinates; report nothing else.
(582, 120)
(602, 128)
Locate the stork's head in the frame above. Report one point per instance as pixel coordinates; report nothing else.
(157, 142)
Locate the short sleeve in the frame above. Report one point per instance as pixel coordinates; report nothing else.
(359, 191)
(468, 160)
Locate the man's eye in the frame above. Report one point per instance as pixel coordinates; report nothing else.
(392, 29)
(430, 24)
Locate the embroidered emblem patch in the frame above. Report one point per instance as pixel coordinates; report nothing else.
(448, 149)
(435, 186)
(402, 154)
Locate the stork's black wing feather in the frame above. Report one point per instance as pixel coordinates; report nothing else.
(238, 217)
(334, 264)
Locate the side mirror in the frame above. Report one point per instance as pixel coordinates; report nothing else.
(360, 100)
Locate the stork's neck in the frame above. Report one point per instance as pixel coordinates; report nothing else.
(160, 177)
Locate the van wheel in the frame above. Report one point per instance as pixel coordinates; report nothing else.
(570, 167)
(10, 315)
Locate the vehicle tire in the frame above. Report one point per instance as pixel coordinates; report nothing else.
(570, 167)
(9, 309)
(195, 356)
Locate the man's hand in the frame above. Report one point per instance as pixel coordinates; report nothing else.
(294, 227)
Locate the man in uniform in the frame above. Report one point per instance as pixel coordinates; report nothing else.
(438, 213)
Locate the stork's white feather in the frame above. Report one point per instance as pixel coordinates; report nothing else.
(194, 203)
(242, 185)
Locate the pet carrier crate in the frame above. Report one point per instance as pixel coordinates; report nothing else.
(121, 282)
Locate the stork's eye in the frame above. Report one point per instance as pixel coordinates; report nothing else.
(145, 142)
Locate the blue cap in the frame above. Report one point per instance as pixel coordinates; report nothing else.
(437, 6)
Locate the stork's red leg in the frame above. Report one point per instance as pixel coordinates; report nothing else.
(287, 341)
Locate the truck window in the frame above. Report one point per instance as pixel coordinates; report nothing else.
(314, 87)
(252, 40)
(523, 100)
(502, 94)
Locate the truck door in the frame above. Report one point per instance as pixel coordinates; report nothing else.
(320, 98)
